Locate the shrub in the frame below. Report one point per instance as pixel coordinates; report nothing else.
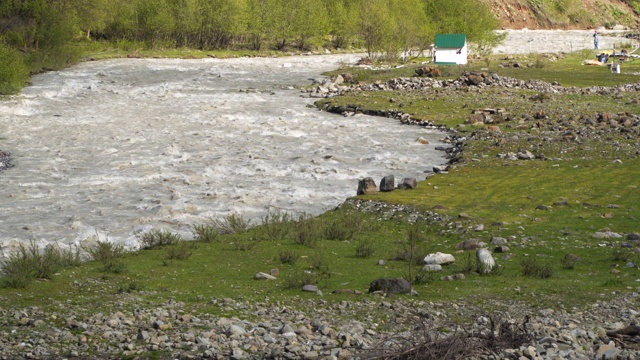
(129, 288)
(232, 224)
(288, 257)
(245, 244)
(276, 226)
(105, 250)
(114, 266)
(157, 238)
(28, 264)
(364, 249)
(14, 73)
(307, 231)
(569, 261)
(206, 233)
(532, 267)
(300, 279)
(424, 277)
(182, 251)
(344, 228)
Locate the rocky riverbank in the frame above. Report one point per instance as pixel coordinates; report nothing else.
(365, 327)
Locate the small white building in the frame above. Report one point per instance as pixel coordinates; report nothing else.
(450, 49)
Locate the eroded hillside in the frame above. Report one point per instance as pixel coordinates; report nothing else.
(565, 14)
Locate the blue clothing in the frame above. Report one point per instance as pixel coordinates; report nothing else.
(595, 40)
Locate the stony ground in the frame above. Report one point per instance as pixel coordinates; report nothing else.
(368, 326)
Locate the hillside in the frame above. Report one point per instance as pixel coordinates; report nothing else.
(565, 14)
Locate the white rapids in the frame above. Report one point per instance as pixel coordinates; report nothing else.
(109, 149)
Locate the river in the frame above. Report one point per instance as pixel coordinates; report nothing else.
(111, 149)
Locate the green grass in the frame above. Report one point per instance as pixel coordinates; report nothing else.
(583, 189)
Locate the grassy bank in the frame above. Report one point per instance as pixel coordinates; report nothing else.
(547, 209)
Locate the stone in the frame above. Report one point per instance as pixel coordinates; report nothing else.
(440, 169)
(310, 288)
(387, 183)
(409, 183)
(422, 140)
(439, 259)
(432, 268)
(486, 263)
(390, 286)
(264, 276)
(367, 186)
(607, 352)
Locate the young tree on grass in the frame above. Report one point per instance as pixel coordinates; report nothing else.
(470, 17)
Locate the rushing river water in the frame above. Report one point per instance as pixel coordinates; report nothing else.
(110, 149)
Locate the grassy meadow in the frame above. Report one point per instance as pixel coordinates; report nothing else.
(548, 210)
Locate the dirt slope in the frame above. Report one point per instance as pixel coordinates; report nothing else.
(564, 14)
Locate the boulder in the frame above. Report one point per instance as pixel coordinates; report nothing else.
(486, 263)
(390, 286)
(409, 183)
(432, 268)
(387, 183)
(367, 186)
(439, 259)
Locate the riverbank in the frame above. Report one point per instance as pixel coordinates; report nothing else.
(540, 181)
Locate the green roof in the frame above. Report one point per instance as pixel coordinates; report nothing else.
(455, 41)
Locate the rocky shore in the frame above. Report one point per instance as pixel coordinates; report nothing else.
(366, 327)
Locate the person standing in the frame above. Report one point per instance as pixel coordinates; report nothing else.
(595, 38)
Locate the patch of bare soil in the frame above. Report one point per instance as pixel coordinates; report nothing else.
(564, 14)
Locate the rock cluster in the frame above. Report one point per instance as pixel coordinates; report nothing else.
(308, 329)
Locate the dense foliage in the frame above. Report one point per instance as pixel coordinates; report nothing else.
(45, 30)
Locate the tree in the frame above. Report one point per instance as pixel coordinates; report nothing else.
(374, 24)
(470, 17)
(14, 73)
(410, 27)
(90, 15)
(221, 21)
(340, 15)
(308, 20)
(261, 20)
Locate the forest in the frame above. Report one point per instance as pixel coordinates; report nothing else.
(40, 35)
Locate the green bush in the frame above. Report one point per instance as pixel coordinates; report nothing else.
(232, 224)
(307, 231)
(114, 266)
(105, 250)
(14, 73)
(532, 267)
(364, 249)
(206, 233)
(300, 279)
(344, 228)
(275, 226)
(569, 261)
(28, 264)
(182, 251)
(157, 238)
(288, 257)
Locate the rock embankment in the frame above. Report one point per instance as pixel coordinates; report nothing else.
(366, 327)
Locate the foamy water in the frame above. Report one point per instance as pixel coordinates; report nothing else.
(110, 149)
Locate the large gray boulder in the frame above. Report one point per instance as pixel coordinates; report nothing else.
(390, 286)
(439, 259)
(388, 183)
(367, 186)
(486, 263)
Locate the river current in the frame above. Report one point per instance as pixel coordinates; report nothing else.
(110, 149)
